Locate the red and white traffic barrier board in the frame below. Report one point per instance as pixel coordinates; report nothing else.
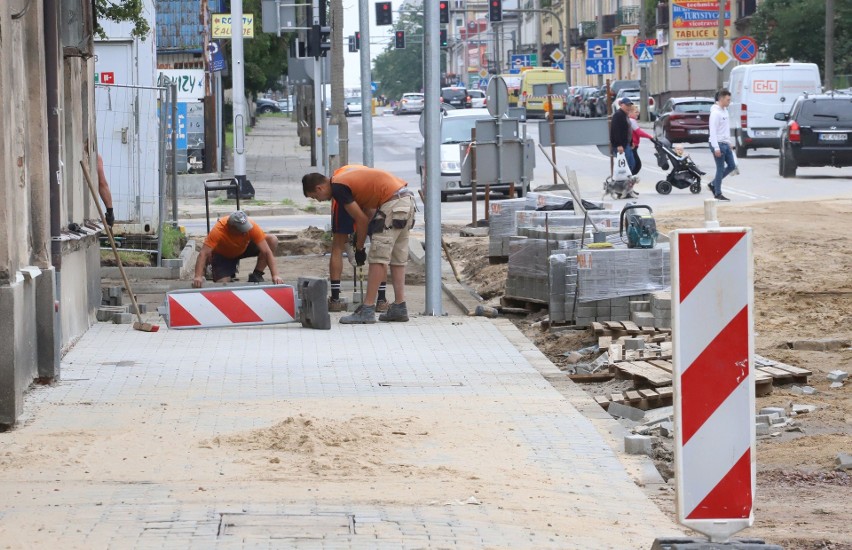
(713, 337)
(230, 306)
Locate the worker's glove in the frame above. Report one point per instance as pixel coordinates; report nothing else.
(110, 217)
(360, 257)
(350, 253)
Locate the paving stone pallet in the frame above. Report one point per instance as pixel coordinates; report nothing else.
(645, 398)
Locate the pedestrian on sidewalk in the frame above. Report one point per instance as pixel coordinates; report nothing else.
(636, 134)
(360, 190)
(619, 133)
(233, 238)
(720, 142)
(342, 229)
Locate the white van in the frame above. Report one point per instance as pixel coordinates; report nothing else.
(760, 91)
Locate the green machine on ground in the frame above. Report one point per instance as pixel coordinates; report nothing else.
(641, 228)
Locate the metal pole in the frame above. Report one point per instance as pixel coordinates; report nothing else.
(319, 112)
(239, 92)
(366, 79)
(643, 72)
(565, 29)
(323, 78)
(219, 154)
(599, 32)
(173, 96)
(829, 44)
(552, 125)
(432, 146)
(720, 42)
(162, 174)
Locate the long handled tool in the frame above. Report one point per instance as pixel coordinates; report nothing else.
(138, 325)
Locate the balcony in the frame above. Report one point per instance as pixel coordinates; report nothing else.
(628, 16)
(588, 29)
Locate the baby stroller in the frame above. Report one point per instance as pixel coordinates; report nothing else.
(684, 172)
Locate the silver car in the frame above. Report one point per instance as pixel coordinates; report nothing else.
(410, 103)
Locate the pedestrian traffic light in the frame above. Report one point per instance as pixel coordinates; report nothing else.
(384, 13)
(400, 40)
(352, 46)
(495, 10)
(443, 38)
(445, 11)
(357, 40)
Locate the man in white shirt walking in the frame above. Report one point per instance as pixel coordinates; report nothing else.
(720, 142)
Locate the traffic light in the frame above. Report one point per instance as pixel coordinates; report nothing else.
(319, 41)
(384, 13)
(443, 38)
(400, 40)
(495, 10)
(357, 40)
(352, 46)
(445, 11)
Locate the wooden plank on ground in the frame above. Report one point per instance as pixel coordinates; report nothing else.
(662, 364)
(614, 325)
(631, 327)
(616, 397)
(665, 392)
(648, 393)
(604, 342)
(759, 376)
(652, 375)
(596, 377)
(776, 373)
(789, 368)
(632, 395)
(602, 401)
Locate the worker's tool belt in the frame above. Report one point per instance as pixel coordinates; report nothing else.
(377, 224)
(404, 192)
(400, 220)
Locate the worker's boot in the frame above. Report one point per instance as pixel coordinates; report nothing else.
(396, 312)
(381, 305)
(255, 277)
(337, 305)
(364, 315)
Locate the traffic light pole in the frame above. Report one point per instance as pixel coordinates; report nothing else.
(432, 151)
(319, 115)
(366, 79)
(239, 93)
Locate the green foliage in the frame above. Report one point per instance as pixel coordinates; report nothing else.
(173, 241)
(400, 71)
(121, 10)
(265, 55)
(795, 29)
(128, 259)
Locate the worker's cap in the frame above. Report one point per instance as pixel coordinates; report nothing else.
(239, 221)
(625, 101)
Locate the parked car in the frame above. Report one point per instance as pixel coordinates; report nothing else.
(456, 127)
(353, 106)
(410, 103)
(634, 95)
(758, 93)
(590, 103)
(818, 132)
(576, 101)
(617, 85)
(684, 119)
(477, 98)
(286, 105)
(263, 106)
(455, 96)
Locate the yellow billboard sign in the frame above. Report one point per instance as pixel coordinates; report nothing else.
(221, 25)
(707, 33)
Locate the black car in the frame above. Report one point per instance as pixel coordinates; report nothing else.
(818, 133)
(455, 96)
(264, 105)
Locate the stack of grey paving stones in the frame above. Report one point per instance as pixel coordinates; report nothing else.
(501, 226)
(661, 309)
(113, 309)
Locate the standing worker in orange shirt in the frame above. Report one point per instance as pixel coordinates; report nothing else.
(362, 190)
(233, 238)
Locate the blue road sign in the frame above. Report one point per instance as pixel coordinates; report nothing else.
(216, 57)
(521, 60)
(674, 63)
(557, 65)
(599, 48)
(600, 66)
(645, 53)
(374, 87)
(744, 49)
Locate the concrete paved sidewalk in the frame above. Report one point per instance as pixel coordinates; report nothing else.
(435, 433)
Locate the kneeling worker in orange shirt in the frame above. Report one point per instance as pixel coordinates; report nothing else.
(233, 238)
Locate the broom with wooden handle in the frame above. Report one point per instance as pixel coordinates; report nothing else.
(138, 325)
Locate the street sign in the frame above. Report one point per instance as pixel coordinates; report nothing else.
(521, 60)
(599, 48)
(643, 52)
(721, 58)
(497, 97)
(674, 63)
(630, 32)
(744, 49)
(620, 50)
(374, 87)
(215, 56)
(221, 25)
(557, 55)
(557, 65)
(483, 73)
(600, 66)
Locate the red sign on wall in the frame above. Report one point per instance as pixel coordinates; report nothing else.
(107, 78)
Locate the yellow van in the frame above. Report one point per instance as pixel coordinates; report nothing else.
(533, 91)
(513, 85)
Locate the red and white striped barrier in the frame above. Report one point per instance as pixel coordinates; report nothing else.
(712, 308)
(230, 306)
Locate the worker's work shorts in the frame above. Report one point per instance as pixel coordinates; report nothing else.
(389, 232)
(227, 267)
(341, 221)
